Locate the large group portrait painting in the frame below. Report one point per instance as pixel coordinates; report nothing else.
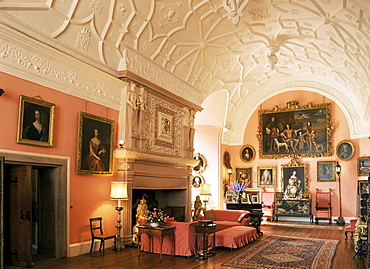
(296, 131)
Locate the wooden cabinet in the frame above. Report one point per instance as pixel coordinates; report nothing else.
(293, 208)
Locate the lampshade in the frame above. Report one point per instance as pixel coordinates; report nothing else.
(118, 190)
(205, 189)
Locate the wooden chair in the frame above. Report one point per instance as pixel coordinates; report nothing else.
(268, 204)
(323, 206)
(96, 226)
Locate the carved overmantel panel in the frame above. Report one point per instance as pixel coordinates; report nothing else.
(156, 120)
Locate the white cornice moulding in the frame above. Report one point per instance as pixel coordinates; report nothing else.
(39, 63)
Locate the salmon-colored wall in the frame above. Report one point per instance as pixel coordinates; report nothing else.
(89, 194)
(349, 176)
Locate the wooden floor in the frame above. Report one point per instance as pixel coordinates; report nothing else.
(128, 258)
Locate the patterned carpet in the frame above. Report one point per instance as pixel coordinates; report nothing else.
(304, 225)
(286, 252)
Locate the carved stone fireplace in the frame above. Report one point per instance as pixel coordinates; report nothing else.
(153, 173)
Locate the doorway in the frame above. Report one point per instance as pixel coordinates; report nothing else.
(35, 223)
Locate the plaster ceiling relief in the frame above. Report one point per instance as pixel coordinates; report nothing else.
(207, 45)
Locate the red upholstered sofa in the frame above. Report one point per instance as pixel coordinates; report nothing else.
(184, 232)
(227, 218)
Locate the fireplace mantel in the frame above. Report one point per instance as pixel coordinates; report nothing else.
(153, 171)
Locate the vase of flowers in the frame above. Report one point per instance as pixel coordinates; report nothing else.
(238, 189)
(156, 217)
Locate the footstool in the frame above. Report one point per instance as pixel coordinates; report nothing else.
(236, 237)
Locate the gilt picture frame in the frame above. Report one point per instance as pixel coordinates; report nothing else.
(247, 153)
(326, 171)
(363, 165)
(35, 122)
(95, 145)
(266, 176)
(294, 171)
(345, 150)
(303, 131)
(244, 175)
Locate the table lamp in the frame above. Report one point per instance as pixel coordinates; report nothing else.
(205, 190)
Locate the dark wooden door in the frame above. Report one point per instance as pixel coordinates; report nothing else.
(20, 214)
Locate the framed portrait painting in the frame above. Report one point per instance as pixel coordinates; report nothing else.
(363, 166)
(247, 153)
(202, 163)
(197, 181)
(244, 175)
(326, 171)
(295, 130)
(266, 176)
(95, 145)
(35, 122)
(294, 179)
(345, 150)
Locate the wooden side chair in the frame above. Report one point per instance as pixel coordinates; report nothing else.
(323, 206)
(96, 230)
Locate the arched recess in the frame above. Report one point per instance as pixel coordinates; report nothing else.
(209, 124)
(351, 106)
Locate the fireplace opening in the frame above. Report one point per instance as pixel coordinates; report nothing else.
(172, 202)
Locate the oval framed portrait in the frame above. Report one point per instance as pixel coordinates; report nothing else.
(247, 153)
(202, 163)
(345, 150)
(197, 181)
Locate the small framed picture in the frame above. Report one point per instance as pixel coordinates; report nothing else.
(363, 165)
(266, 176)
(35, 122)
(345, 150)
(326, 171)
(247, 153)
(197, 181)
(363, 187)
(95, 145)
(244, 175)
(229, 198)
(255, 199)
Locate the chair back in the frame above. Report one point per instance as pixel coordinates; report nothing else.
(268, 199)
(96, 224)
(323, 199)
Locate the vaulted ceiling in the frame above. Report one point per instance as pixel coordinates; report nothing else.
(253, 49)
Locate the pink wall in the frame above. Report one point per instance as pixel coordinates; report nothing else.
(349, 176)
(89, 195)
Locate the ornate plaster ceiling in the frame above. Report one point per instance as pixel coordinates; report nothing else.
(272, 46)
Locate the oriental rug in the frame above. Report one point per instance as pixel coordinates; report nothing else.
(286, 252)
(304, 225)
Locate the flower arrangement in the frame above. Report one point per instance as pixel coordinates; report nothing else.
(155, 216)
(238, 188)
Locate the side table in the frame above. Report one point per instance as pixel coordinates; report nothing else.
(205, 250)
(256, 218)
(160, 232)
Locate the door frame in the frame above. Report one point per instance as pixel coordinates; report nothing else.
(62, 167)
